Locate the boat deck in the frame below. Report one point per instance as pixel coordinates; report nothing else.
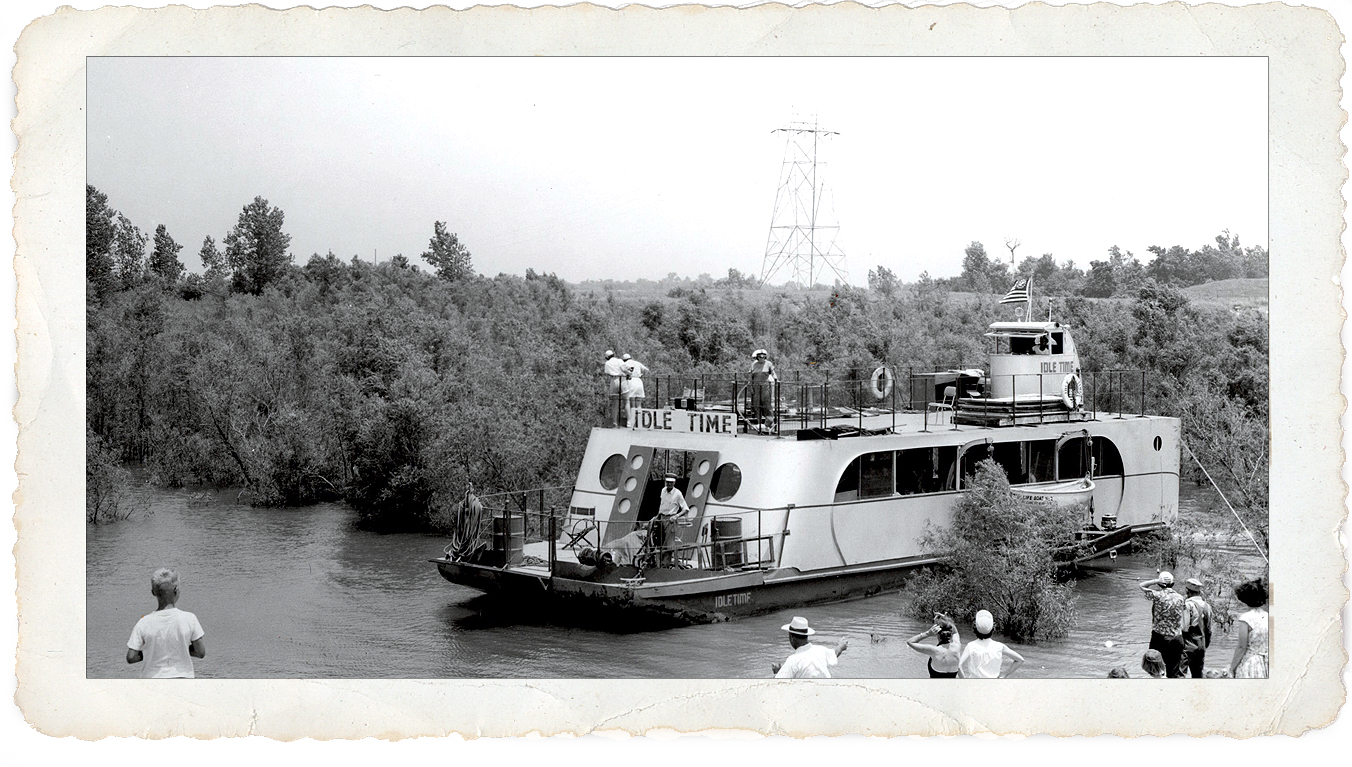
(968, 417)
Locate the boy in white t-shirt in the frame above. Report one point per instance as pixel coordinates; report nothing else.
(169, 638)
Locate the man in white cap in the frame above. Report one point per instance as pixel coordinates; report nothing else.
(614, 371)
(1166, 621)
(671, 506)
(632, 385)
(762, 385)
(983, 657)
(1196, 628)
(807, 661)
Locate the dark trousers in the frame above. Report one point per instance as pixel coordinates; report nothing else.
(1193, 658)
(1171, 648)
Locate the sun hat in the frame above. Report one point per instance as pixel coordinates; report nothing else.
(985, 622)
(798, 626)
(1166, 577)
(1194, 584)
(610, 353)
(626, 357)
(758, 353)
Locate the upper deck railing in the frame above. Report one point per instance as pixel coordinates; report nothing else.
(818, 398)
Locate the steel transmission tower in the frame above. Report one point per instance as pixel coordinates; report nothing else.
(802, 238)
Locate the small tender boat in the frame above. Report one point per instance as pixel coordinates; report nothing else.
(819, 487)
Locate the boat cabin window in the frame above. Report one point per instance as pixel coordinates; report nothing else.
(1070, 461)
(926, 469)
(1107, 460)
(611, 471)
(868, 476)
(1058, 343)
(1022, 462)
(727, 481)
(1022, 344)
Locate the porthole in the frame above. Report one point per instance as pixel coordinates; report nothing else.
(727, 481)
(611, 471)
(638, 462)
(630, 484)
(697, 491)
(703, 468)
(625, 505)
(1158, 443)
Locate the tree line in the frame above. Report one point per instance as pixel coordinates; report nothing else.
(391, 388)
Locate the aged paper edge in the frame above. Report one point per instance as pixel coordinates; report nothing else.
(1307, 174)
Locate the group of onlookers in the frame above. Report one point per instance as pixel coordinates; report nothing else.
(1181, 630)
(624, 387)
(1180, 635)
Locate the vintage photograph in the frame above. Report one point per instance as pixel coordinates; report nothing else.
(677, 368)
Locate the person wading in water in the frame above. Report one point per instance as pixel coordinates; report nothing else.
(943, 656)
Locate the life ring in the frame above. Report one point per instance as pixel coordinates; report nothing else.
(883, 374)
(1072, 393)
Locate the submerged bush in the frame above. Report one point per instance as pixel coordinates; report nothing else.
(107, 483)
(1001, 554)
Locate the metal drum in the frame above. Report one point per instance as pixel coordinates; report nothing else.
(509, 542)
(728, 546)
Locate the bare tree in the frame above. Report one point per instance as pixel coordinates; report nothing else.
(1012, 243)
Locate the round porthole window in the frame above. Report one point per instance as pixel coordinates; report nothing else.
(727, 481)
(611, 471)
(703, 468)
(630, 484)
(638, 462)
(625, 505)
(697, 491)
(1158, 443)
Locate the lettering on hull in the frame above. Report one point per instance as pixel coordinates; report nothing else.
(732, 600)
(684, 420)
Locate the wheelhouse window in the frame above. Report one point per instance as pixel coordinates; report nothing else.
(1058, 343)
(926, 470)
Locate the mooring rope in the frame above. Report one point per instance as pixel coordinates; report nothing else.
(1261, 553)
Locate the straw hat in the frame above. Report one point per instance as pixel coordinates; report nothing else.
(798, 626)
(985, 622)
(758, 353)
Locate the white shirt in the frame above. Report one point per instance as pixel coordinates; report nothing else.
(614, 366)
(981, 659)
(811, 661)
(636, 369)
(671, 502)
(163, 638)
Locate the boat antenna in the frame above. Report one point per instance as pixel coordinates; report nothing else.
(1049, 308)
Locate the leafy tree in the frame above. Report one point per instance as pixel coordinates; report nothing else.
(128, 253)
(164, 261)
(99, 242)
(256, 248)
(214, 266)
(1000, 552)
(980, 274)
(883, 280)
(447, 255)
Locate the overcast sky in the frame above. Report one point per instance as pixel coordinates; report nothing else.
(633, 168)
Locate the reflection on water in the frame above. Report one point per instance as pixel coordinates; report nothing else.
(299, 593)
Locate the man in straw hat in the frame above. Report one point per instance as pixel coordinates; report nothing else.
(983, 657)
(1196, 628)
(1166, 621)
(807, 661)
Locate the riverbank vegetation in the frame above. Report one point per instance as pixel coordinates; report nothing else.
(1002, 552)
(391, 387)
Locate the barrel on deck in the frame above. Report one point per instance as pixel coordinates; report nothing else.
(509, 542)
(728, 546)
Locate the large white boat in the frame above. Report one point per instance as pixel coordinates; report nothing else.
(805, 491)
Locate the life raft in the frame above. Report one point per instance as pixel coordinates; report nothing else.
(882, 382)
(1072, 392)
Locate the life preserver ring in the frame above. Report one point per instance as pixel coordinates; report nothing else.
(1072, 393)
(884, 375)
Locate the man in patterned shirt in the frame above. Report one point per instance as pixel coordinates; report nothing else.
(1166, 622)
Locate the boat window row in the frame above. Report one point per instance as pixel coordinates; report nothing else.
(726, 480)
(936, 470)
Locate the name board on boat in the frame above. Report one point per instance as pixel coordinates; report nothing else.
(693, 421)
(1064, 366)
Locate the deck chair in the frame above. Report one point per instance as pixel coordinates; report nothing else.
(946, 404)
(578, 532)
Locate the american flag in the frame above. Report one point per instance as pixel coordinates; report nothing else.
(1018, 293)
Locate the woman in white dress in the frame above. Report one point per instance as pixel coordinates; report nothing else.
(1251, 656)
(633, 392)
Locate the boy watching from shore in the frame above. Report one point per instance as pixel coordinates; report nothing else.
(169, 638)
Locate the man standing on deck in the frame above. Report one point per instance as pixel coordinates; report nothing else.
(169, 638)
(1196, 628)
(614, 371)
(1166, 615)
(808, 661)
(671, 506)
